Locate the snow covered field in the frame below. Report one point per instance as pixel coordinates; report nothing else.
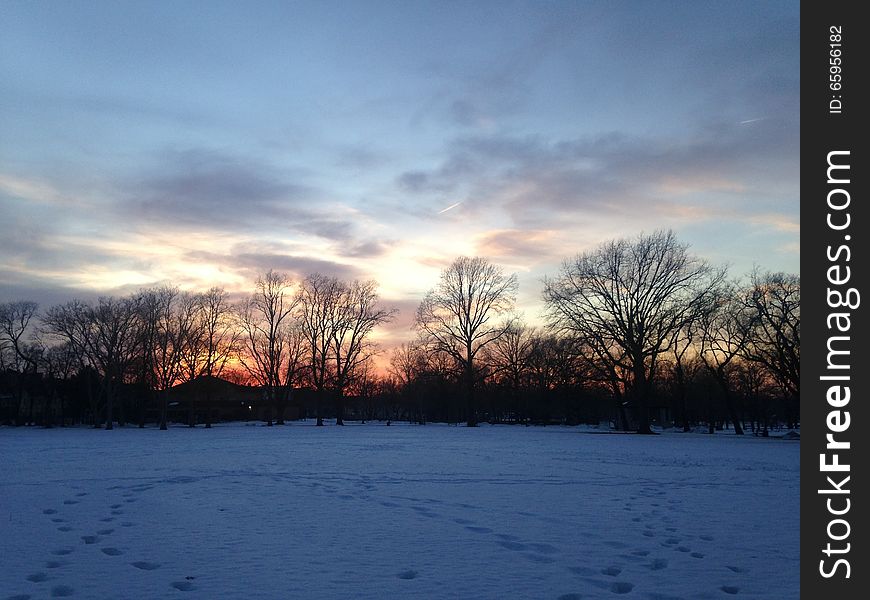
(242, 511)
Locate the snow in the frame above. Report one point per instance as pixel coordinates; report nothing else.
(368, 511)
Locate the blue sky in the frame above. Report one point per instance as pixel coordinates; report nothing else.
(203, 142)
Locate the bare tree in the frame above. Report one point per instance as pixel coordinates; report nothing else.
(107, 333)
(217, 339)
(725, 325)
(775, 302)
(459, 316)
(508, 357)
(627, 298)
(408, 363)
(319, 298)
(20, 353)
(58, 363)
(266, 319)
(168, 322)
(356, 316)
(15, 332)
(684, 365)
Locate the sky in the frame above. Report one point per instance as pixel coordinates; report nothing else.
(202, 143)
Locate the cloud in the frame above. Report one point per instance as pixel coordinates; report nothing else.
(515, 243)
(204, 189)
(538, 180)
(367, 249)
(254, 263)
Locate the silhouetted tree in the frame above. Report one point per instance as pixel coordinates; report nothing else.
(626, 298)
(459, 316)
(725, 325)
(355, 317)
(266, 320)
(217, 340)
(168, 321)
(319, 299)
(19, 351)
(107, 333)
(775, 302)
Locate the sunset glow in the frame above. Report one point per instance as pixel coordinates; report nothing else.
(382, 140)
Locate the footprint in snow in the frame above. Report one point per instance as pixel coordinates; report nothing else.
(621, 587)
(108, 519)
(111, 551)
(735, 569)
(570, 597)
(70, 501)
(116, 506)
(90, 539)
(105, 531)
(58, 520)
(80, 494)
(62, 551)
(127, 524)
(64, 528)
(37, 577)
(409, 574)
(182, 586)
(19, 597)
(697, 555)
(479, 529)
(49, 511)
(658, 564)
(611, 571)
(707, 538)
(682, 549)
(61, 591)
(54, 564)
(730, 589)
(145, 565)
(539, 558)
(510, 545)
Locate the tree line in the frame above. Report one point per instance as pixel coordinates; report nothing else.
(637, 331)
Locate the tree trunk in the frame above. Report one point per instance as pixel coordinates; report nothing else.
(318, 405)
(471, 417)
(109, 402)
(640, 393)
(339, 406)
(164, 407)
(729, 401)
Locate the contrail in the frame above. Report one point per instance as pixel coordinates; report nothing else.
(441, 212)
(752, 120)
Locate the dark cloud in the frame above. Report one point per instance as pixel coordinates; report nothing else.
(370, 249)
(209, 190)
(14, 286)
(614, 173)
(255, 262)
